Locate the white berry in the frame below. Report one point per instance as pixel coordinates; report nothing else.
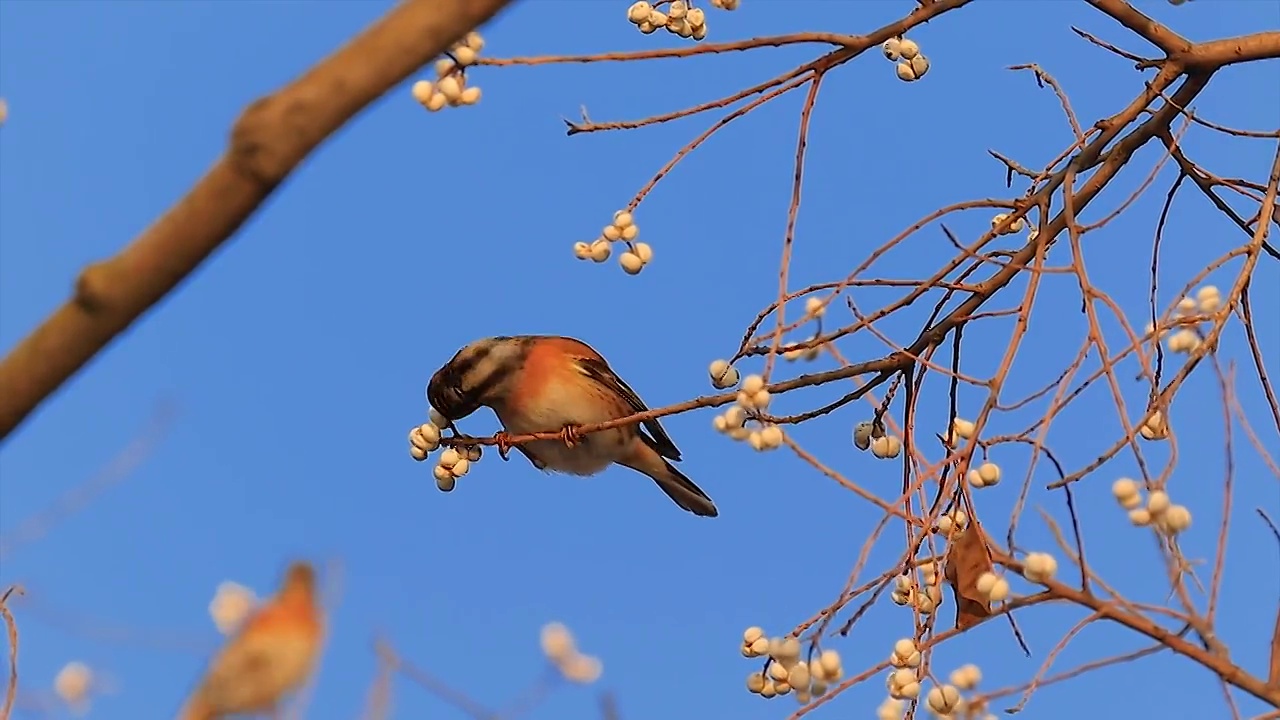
(450, 88)
(465, 56)
(892, 49)
(422, 91)
(436, 102)
(630, 262)
(1039, 567)
(639, 12)
(942, 700)
(723, 375)
(1157, 502)
(886, 448)
(990, 473)
(862, 433)
(920, 66)
(1177, 518)
(1124, 489)
(644, 252)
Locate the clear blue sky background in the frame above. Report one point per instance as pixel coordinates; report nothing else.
(297, 357)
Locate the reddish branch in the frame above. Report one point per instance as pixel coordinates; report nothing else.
(272, 137)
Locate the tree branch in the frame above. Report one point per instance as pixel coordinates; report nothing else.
(271, 138)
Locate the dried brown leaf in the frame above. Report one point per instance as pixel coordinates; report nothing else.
(967, 560)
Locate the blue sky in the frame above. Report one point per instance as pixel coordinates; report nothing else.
(296, 358)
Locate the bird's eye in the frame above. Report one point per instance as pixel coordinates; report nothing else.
(460, 404)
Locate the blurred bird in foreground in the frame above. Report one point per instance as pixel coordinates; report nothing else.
(541, 383)
(271, 655)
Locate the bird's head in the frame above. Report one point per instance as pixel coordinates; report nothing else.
(476, 375)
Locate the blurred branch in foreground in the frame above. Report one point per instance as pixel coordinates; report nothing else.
(271, 137)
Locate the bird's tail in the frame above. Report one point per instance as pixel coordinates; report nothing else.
(684, 492)
(679, 488)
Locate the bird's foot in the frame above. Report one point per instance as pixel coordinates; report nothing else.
(503, 442)
(570, 435)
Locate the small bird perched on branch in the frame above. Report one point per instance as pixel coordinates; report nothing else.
(541, 383)
(271, 655)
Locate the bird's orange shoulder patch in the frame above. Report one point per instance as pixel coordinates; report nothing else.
(548, 363)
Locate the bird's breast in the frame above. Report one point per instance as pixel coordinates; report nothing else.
(590, 455)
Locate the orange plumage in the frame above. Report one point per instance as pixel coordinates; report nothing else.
(543, 383)
(271, 655)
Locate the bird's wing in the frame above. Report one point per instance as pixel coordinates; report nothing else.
(234, 678)
(599, 371)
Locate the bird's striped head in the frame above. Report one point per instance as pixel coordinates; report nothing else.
(475, 376)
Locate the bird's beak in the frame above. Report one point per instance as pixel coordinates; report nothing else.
(447, 398)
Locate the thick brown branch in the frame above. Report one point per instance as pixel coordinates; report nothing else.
(1148, 29)
(1230, 51)
(271, 137)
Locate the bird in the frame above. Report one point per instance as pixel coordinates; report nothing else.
(271, 655)
(544, 383)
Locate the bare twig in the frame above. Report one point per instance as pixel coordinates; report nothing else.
(11, 627)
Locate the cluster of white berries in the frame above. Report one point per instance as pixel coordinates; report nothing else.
(453, 463)
(953, 523)
(1039, 567)
(1155, 428)
(985, 475)
(904, 685)
(961, 429)
(944, 700)
(870, 434)
(72, 685)
(786, 671)
(622, 229)
(679, 19)
(726, 4)
(925, 600)
(753, 395)
(993, 586)
(967, 676)
(752, 398)
(1188, 339)
(231, 604)
(450, 87)
(723, 375)
(1014, 227)
(732, 422)
(913, 64)
(559, 647)
(814, 309)
(1159, 512)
